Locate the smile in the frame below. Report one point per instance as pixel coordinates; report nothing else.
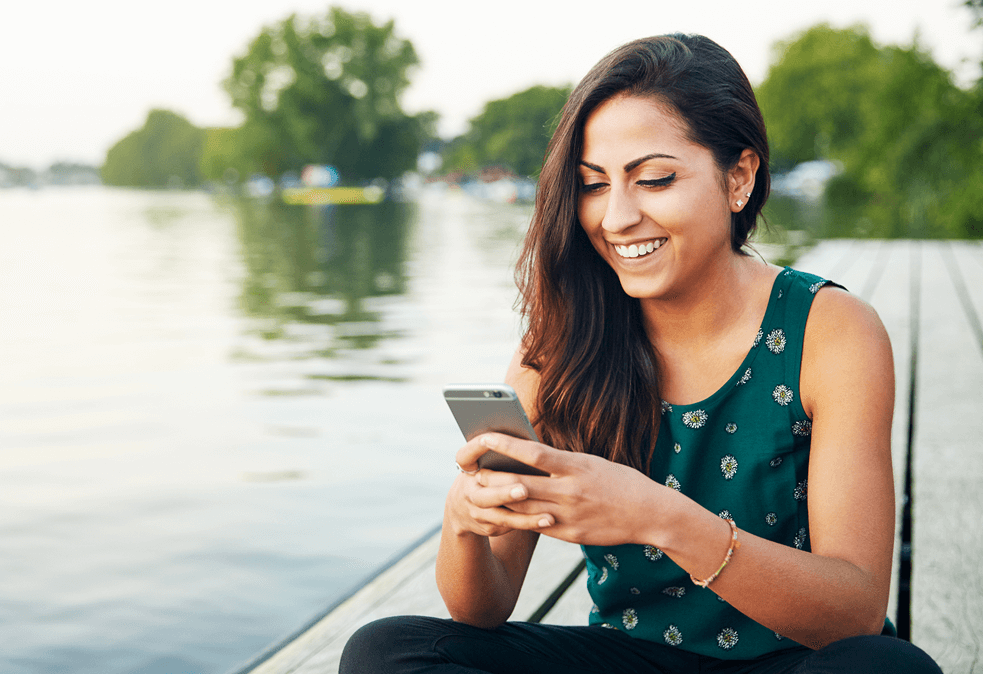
(640, 249)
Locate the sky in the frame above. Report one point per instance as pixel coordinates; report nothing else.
(78, 76)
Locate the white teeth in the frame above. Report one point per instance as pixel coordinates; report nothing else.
(638, 250)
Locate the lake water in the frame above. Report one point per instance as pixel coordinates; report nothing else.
(218, 417)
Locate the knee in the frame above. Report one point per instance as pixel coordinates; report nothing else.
(378, 646)
(873, 654)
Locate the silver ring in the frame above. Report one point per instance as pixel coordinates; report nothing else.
(466, 472)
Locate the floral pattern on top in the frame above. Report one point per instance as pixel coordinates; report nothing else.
(629, 618)
(604, 576)
(671, 481)
(782, 395)
(771, 519)
(801, 490)
(666, 407)
(612, 560)
(731, 428)
(652, 553)
(814, 288)
(727, 638)
(695, 418)
(776, 341)
(677, 448)
(776, 462)
(800, 538)
(802, 429)
(728, 466)
(757, 338)
(677, 592)
(673, 636)
(745, 378)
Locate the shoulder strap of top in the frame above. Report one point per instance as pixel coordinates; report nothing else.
(800, 291)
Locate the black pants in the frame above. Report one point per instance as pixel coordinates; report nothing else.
(414, 645)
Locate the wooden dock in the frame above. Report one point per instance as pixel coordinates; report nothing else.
(930, 296)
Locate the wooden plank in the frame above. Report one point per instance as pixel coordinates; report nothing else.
(408, 588)
(947, 587)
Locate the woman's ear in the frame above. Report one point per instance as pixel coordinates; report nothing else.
(740, 179)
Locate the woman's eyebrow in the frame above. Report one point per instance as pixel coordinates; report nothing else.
(630, 166)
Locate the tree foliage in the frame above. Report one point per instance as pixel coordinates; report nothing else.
(164, 153)
(908, 138)
(512, 132)
(325, 90)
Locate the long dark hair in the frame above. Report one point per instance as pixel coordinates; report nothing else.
(598, 389)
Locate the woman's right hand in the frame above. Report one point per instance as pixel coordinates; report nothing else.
(478, 501)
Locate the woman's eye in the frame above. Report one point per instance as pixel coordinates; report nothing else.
(591, 187)
(658, 182)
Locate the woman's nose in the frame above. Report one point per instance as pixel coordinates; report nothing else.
(622, 211)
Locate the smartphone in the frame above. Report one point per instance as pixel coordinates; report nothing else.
(481, 408)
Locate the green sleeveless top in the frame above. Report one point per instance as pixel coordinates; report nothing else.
(743, 453)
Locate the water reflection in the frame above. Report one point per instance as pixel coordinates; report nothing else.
(312, 273)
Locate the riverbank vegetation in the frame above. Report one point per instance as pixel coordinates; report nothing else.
(905, 139)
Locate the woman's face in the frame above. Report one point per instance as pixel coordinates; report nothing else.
(652, 202)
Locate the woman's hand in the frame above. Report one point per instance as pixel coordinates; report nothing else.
(585, 499)
(479, 501)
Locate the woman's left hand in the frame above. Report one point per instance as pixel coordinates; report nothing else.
(592, 501)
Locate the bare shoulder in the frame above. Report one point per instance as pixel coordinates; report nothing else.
(524, 380)
(845, 347)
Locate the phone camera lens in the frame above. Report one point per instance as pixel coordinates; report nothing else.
(498, 394)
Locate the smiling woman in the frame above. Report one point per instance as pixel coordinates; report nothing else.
(735, 513)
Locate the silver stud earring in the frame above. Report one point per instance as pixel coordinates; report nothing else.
(747, 194)
(739, 203)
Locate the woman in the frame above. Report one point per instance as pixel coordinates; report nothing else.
(716, 429)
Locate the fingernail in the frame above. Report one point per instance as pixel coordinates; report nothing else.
(545, 522)
(488, 441)
(518, 491)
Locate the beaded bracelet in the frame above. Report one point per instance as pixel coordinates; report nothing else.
(734, 545)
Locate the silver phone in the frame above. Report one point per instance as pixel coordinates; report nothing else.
(482, 408)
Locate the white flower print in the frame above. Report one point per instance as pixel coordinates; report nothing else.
(652, 553)
(814, 288)
(594, 609)
(604, 575)
(635, 590)
(725, 515)
(780, 294)
(666, 407)
(771, 519)
(779, 636)
(728, 466)
(629, 618)
(757, 338)
(800, 538)
(802, 428)
(776, 462)
(776, 341)
(782, 395)
(727, 638)
(745, 378)
(695, 419)
(671, 481)
(676, 592)
(673, 636)
(731, 428)
(788, 272)
(677, 448)
(801, 490)
(609, 626)
(612, 560)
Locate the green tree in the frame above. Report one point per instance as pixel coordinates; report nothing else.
(907, 137)
(164, 153)
(326, 90)
(512, 131)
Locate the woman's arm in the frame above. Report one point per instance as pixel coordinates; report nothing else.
(481, 565)
(839, 589)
